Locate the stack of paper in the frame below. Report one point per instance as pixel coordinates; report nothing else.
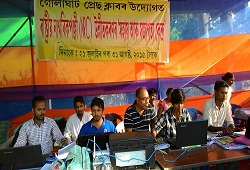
(227, 142)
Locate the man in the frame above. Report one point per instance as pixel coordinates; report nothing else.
(77, 120)
(152, 98)
(217, 111)
(98, 124)
(165, 127)
(140, 116)
(40, 129)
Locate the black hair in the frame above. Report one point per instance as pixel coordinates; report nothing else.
(79, 99)
(97, 102)
(169, 90)
(177, 96)
(36, 99)
(227, 76)
(220, 83)
(152, 91)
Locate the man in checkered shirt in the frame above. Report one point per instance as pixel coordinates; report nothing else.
(166, 125)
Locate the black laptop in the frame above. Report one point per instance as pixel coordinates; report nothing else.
(190, 133)
(21, 157)
(101, 139)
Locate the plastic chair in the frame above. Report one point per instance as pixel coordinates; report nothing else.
(194, 113)
(120, 127)
(5, 126)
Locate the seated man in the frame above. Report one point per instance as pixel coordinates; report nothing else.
(217, 111)
(77, 120)
(165, 127)
(98, 124)
(40, 129)
(140, 115)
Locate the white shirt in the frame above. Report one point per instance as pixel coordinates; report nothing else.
(229, 93)
(215, 116)
(74, 125)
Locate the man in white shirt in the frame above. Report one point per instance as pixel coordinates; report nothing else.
(75, 121)
(217, 111)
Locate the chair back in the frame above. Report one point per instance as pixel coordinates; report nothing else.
(194, 113)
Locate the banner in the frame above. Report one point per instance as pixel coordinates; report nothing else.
(103, 30)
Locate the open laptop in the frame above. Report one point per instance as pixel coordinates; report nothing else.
(21, 157)
(190, 133)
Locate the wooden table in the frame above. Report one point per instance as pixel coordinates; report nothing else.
(199, 157)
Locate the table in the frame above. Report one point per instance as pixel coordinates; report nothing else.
(199, 157)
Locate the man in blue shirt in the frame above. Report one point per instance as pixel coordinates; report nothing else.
(98, 124)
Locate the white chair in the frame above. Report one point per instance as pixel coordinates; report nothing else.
(120, 127)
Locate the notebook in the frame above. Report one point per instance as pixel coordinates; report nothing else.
(245, 139)
(190, 133)
(228, 142)
(21, 157)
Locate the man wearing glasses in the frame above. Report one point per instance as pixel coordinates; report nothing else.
(140, 116)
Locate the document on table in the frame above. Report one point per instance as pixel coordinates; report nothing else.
(46, 167)
(63, 153)
(241, 133)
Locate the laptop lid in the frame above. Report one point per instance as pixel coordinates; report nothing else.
(100, 139)
(191, 133)
(21, 157)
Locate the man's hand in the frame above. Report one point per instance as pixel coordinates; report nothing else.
(227, 131)
(64, 141)
(238, 129)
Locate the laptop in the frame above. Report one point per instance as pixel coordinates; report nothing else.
(101, 139)
(190, 133)
(21, 157)
(245, 139)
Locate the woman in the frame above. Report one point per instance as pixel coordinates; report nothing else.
(165, 103)
(229, 79)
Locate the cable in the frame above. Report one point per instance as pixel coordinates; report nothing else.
(102, 156)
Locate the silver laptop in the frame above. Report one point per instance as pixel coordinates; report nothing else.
(21, 157)
(190, 133)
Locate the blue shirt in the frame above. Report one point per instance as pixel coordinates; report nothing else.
(88, 128)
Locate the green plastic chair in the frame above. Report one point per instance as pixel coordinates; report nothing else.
(5, 126)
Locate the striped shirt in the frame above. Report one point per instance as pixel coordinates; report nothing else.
(45, 134)
(132, 119)
(166, 125)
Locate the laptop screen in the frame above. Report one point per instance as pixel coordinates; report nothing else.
(21, 157)
(191, 133)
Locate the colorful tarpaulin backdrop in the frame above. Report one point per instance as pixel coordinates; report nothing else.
(104, 30)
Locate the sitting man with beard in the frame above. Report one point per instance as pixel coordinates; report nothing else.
(98, 124)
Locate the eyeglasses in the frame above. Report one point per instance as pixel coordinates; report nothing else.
(144, 98)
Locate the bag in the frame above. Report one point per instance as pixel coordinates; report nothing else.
(58, 165)
(77, 159)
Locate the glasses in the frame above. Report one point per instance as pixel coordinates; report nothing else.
(144, 98)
